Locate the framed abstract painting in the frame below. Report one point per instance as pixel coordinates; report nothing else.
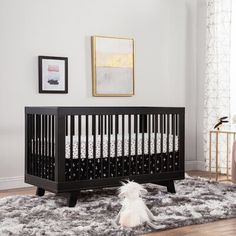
(53, 74)
(112, 66)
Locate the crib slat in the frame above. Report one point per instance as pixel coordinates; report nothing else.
(143, 123)
(87, 145)
(155, 140)
(94, 145)
(157, 123)
(44, 157)
(99, 124)
(167, 143)
(135, 125)
(44, 141)
(53, 149)
(161, 131)
(117, 124)
(66, 120)
(72, 118)
(116, 132)
(38, 158)
(105, 124)
(43, 148)
(79, 146)
(41, 157)
(109, 145)
(29, 143)
(101, 146)
(50, 146)
(142, 120)
(46, 146)
(153, 121)
(164, 116)
(173, 145)
(136, 143)
(71, 144)
(111, 124)
(38, 164)
(35, 143)
(177, 160)
(129, 131)
(93, 121)
(35, 146)
(149, 143)
(123, 143)
(176, 125)
(32, 138)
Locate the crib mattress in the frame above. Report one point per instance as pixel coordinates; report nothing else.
(140, 143)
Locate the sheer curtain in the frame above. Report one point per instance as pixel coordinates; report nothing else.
(233, 62)
(217, 78)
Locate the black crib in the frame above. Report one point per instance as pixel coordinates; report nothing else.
(68, 149)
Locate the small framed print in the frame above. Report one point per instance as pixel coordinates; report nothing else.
(53, 74)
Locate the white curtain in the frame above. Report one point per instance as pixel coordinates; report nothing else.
(217, 79)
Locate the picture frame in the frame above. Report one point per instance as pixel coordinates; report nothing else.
(53, 74)
(112, 66)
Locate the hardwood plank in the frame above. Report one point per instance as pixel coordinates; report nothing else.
(17, 191)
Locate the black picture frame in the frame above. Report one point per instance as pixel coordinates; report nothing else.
(50, 78)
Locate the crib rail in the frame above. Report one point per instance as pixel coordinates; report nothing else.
(82, 144)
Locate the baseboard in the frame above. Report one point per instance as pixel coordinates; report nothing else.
(12, 182)
(201, 165)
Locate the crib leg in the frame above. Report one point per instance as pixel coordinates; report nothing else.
(72, 199)
(169, 184)
(40, 192)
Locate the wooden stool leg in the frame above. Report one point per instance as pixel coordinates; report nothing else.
(210, 156)
(40, 192)
(217, 148)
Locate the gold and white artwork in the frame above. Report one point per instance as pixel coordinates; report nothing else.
(113, 66)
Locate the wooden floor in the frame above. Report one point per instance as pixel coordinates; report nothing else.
(218, 228)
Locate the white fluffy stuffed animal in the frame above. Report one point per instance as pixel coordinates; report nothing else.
(134, 212)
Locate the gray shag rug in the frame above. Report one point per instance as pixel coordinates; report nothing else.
(197, 201)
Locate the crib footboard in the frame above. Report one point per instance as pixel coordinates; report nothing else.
(68, 149)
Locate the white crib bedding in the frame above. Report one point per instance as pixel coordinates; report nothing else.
(83, 153)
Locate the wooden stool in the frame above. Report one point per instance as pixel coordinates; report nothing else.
(234, 163)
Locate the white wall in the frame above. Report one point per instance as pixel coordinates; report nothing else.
(201, 47)
(165, 42)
